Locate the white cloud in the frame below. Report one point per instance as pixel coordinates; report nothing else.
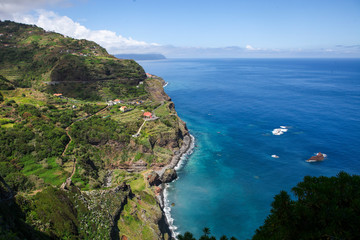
(249, 47)
(113, 42)
(10, 7)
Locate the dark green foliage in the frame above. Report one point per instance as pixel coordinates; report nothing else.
(28, 146)
(18, 182)
(205, 236)
(30, 109)
(1, 97)
(5, 85)
(91, 108)
(15, 142)
(186, 236)
(51, 142)
(88, 165)
(97, 131)
(325, 208)
(6, 168)
(56, 207)
(13, 223)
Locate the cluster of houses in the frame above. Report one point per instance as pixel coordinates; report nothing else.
(117, 101)
(114, 102)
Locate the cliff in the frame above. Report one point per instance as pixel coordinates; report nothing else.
(75, 164)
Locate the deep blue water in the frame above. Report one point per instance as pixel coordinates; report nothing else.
(231, 106)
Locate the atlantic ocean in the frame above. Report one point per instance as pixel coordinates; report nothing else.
(231, 107)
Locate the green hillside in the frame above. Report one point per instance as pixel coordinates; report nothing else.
(73, 165)
(48, 61)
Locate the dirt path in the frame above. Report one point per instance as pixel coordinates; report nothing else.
(68, 180)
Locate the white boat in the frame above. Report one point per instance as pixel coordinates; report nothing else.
(277, 131)
(280, 131)
(274, 156)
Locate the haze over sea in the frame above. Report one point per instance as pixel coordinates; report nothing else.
(231, 106)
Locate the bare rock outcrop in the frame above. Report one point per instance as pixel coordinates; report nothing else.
(169, 175)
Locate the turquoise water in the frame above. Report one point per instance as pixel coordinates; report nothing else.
(231, 106)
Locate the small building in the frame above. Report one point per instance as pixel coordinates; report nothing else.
(123, 108)
(57, 94)
(147, 114)
(148, 75)
(116, 101)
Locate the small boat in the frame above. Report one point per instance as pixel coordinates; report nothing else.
(277, 131)
(275, 156)
(280, 131)
(317, 158)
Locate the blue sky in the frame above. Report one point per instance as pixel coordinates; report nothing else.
(184, 28)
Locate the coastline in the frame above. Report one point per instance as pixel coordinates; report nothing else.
(176, 163)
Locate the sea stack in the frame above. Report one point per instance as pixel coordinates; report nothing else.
(318, 157)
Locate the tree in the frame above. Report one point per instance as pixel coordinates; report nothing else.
(206, 231)
(325, 208)
(186, 236)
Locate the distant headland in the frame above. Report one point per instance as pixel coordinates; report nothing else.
(146, 56)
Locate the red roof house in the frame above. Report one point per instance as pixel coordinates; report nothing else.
(147, 114)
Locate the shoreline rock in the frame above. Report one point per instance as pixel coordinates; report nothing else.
(185, 147)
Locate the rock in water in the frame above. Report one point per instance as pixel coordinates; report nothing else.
(169, 176)
(318, 157)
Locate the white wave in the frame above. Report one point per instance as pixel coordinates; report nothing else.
(167, 204)
(186, 155)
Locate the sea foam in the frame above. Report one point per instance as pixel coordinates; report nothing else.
(166, 203)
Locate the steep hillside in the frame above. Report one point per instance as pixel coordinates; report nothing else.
(72, 165)
(48, 61)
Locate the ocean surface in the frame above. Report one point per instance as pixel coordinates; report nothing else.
(231, 107)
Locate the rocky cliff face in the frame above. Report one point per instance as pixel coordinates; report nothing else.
(155, 88)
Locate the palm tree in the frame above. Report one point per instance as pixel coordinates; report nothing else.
(206, 231)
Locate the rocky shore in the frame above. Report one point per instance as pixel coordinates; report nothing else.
(185, 148)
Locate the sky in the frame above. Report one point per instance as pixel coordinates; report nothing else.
(184, 28)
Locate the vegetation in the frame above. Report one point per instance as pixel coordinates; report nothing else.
(44, 137)
(325, 208)
(47, 61)
(56, 125)
(205, 236)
